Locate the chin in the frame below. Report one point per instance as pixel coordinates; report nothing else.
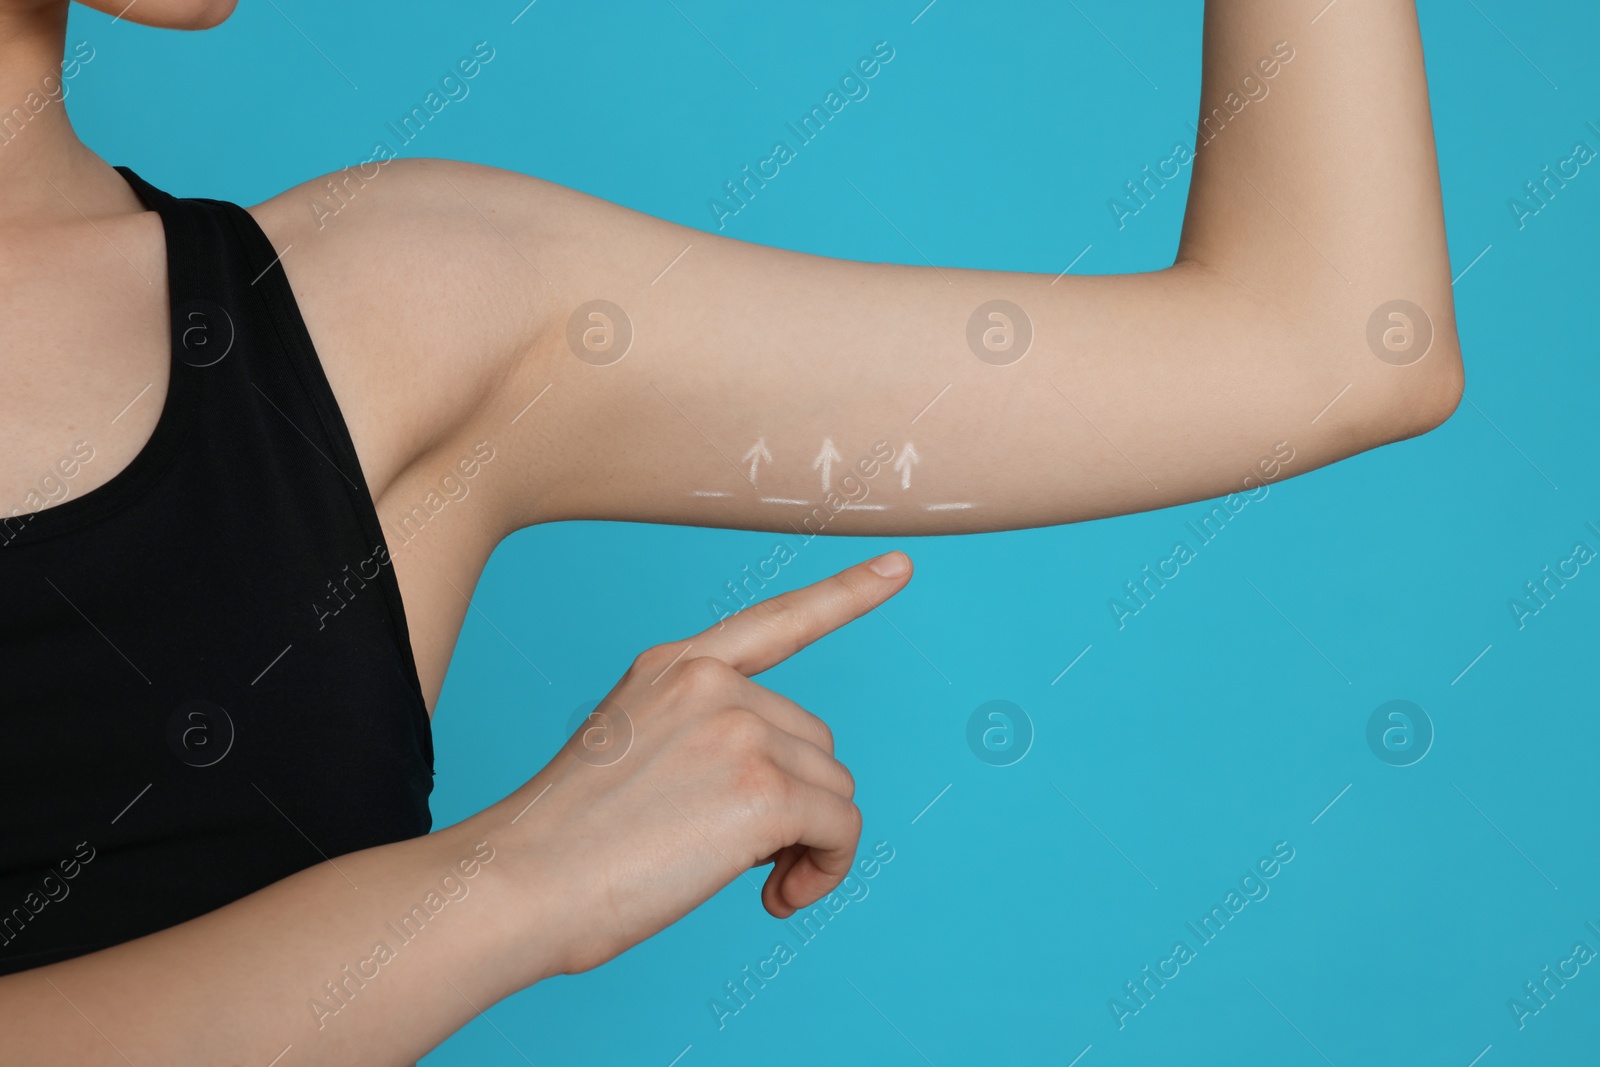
(168, 14)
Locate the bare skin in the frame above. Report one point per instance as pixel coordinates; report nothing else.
(440, 300)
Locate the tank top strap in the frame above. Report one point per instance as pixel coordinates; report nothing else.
(197, 239)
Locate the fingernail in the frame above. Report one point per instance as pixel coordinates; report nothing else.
(891, 564)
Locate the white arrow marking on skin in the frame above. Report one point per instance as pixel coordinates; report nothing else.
(825, 460)
(908, 456)
(757, 453)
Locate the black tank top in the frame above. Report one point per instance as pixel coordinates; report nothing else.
(206, 681)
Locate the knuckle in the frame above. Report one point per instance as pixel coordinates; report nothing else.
(824, 735)
(765, 789)
(701, 675)
(849, 783)
(651, 662)
(741, 734)
(855, 822)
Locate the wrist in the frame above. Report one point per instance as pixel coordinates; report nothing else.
(519, 944)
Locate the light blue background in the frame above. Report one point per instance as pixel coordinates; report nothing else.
(1196, 738)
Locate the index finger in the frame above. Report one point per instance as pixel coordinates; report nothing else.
(765, 634)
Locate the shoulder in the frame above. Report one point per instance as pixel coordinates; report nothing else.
(416, 293)
(383, 190)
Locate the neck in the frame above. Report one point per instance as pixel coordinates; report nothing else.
(46, 173)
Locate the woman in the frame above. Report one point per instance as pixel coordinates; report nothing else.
(259, 475)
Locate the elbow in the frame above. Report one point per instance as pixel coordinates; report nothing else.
(1422, 396)
(1406, 368)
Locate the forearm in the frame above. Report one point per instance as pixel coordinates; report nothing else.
(371, 959)
(1315, 185)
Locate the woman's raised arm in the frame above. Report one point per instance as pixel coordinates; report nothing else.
(687, 377)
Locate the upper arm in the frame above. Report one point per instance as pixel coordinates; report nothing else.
(684, 377)
(1268, 348)
(419, 310)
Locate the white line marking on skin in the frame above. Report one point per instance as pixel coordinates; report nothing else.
(864, 507)
(903, 463)
(825, 461)
(709, 492)
(757, 453)
(948, 507)
(782, 500)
